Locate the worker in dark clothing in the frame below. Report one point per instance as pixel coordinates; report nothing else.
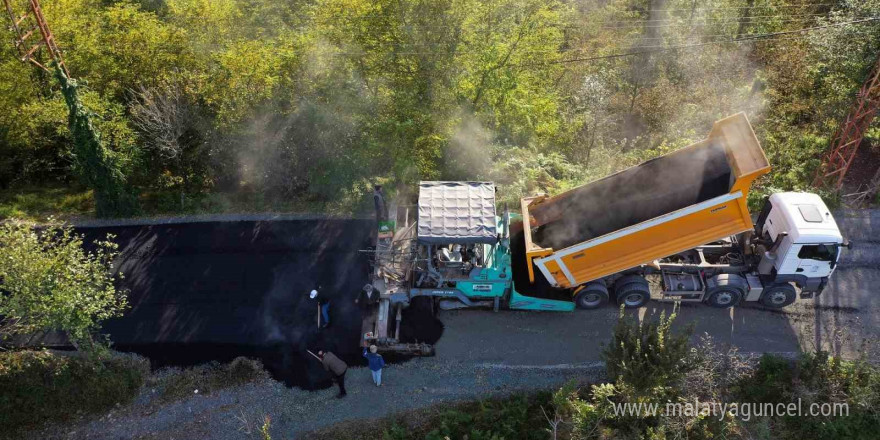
(367, 296)
(324, 304)
(337, 368)
(379, 201)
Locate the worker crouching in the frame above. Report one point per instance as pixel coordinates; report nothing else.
(337, 367)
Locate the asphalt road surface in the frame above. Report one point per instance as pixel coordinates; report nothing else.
(203, 291)
(483, 353)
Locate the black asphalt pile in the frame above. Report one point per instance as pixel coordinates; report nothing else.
(419, 322)
(541, 288)
(654, 188)
(212, 291)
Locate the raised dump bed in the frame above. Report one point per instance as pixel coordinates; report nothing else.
(661, 207)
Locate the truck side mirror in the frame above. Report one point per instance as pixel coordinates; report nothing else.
(847, 244)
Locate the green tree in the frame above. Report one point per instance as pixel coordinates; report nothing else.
(49, 282)
(97, 166)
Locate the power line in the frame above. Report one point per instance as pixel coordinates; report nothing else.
(688, 46)
(356, 54)
(633, 37)
(733, 8)
(814, 5)
(626, 23)
(637, 38)
(721, 21)
(705, 18)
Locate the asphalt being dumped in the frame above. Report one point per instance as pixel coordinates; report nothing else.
(541, 288)
(212, 291)
(654, 188)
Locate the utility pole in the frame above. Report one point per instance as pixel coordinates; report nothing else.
(845, 143)
(32, 32)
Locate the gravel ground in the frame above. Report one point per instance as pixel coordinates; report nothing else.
(484, 353)
(237, 413)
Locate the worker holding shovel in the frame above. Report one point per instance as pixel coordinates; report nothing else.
(323, 308)
(335, 366)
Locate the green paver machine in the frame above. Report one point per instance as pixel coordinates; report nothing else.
(454, 248)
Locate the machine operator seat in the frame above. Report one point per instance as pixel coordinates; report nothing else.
(448, 258)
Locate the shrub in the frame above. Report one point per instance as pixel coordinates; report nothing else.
(517, 416)
(50, 282)
(819, 378)
(646, 355)
(41, 385)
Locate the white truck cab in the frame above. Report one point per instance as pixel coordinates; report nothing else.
(806, 240)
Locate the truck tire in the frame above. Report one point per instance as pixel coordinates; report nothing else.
(592, 296)
(725, 290)
(632, 291)
(723, 297)
(777, 296)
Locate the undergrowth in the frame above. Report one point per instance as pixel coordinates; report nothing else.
(40, 385)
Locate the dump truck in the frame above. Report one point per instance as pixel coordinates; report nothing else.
(681, 219)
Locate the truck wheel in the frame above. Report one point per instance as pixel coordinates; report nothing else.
(725, 290)
(778, 296)
(592, 296)
(632, 291)
(723, 297)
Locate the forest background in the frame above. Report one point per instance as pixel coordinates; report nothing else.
(209, 106)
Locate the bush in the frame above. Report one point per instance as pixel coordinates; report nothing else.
(819, 378)
(37, 295)
(518, 416)
(40, 385)
(175, 384)
(646, 355)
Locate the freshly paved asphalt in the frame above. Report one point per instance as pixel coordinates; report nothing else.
(203, 291)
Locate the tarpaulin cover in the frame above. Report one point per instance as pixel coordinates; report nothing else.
(456, 212)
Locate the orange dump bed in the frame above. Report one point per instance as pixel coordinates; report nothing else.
(667, 205)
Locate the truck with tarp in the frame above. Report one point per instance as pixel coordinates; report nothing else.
(681, 219)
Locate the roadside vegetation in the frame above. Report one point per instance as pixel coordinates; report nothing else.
(259, 105)
(55, 286)
(50, 389)
(41, 386)
(653, 365)
(51, 281)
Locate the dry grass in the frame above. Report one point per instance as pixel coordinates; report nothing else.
(36, 204)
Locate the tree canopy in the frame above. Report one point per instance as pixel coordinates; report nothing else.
(313, 101)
